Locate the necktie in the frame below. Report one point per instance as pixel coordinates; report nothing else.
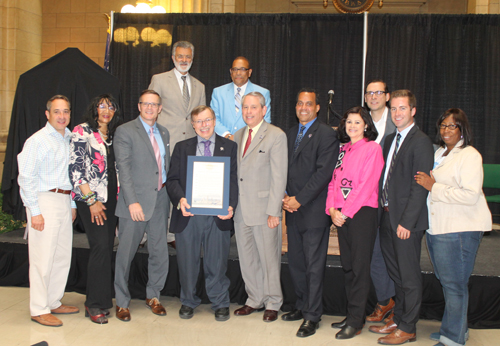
(299, 138)
(237, 100)
(207, 148)
(385, 191)
(185, 92)
(249, 140)
(156, 149)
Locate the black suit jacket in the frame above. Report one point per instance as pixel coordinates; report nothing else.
(310, 170)
(177, 175)
(407, 199)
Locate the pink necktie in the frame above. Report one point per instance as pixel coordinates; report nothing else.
(156, 149)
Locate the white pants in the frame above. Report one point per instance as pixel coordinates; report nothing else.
(50, 252)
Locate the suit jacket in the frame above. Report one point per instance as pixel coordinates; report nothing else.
(261, 175)
(225, 112)
(173, 115)
(310, 171)
(407, 199)
(138, 169)
(177, 175)
(389, 128)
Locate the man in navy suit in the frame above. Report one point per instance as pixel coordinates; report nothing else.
(226, 99)
(194, 231)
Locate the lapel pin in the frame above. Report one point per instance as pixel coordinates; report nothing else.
(221, 148)
(310, 135)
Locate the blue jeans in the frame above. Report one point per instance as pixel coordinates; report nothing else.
(453, 256)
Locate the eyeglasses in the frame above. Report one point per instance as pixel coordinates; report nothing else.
(451, 126)
(372, 93)
(105, 106)
(241, 69)
(208, 121)
(149, 104)
(182, 57)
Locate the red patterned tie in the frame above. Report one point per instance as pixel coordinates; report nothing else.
(249, 140)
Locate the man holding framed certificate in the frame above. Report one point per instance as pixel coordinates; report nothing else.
(194, 231)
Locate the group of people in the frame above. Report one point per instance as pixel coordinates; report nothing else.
(377, 179)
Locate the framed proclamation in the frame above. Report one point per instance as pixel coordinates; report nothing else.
(207, 184)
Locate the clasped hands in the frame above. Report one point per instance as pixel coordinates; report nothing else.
(183, 205)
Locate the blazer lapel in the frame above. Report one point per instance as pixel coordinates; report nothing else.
(191, 146)
(172, 80)
(406, 144)
(307, 137)
(256, 139)
(145, 137)
(219, 149)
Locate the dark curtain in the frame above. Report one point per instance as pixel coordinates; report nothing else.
(286, 52)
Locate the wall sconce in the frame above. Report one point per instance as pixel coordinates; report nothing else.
(144, 6)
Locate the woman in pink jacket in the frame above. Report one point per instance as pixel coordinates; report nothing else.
(352, 203)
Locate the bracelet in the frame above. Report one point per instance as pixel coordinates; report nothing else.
(343, 216)
(91, 202)
(88, 195)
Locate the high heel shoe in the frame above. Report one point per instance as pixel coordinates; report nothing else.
(95, 315)
(105, 311)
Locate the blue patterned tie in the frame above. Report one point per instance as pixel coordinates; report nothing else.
(385, 191)
(299, 138)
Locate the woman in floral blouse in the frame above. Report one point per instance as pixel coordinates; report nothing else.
(93, 174)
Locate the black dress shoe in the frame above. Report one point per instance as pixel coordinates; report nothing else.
(347, 332)
(222, 314)
(293, 315)
(186, 312)
(307, 328)
(340, 324)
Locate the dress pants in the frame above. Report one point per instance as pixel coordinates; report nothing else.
(402, 258)
(50, 252)
(259, 251)
(202, 232)
(356, 239)
(130, 234)
(384, 286)
(307, 250)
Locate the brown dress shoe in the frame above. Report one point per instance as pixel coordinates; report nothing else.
(123, 314)
(387, 328)
(270, 315)
(47, 320)
(397, 337)
(65, 309)
(390, 317)
(156, 307)
(381, 311)
(246, 310)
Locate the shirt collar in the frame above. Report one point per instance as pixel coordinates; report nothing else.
(211, 139)
(256, 128)
(147, 126)
(52, 131)
(179, 75)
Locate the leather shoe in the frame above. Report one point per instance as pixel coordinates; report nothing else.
(246, 310)
(270, 315)
(293, 315)
(48, 320)
(307, 328)
(381, 312)
(186, 312)
(66, 310)
(387, 328)
(222, 314)
(340, 324)
(156, 307)
(390, 317)
(347, 332)
(96, 315)
(397, 337)
(123, 314)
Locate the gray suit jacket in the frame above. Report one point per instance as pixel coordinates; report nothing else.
(389, 128)
(138, 169)
(261, 175)
(173, 115)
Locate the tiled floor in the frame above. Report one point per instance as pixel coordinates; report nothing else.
(145, 328)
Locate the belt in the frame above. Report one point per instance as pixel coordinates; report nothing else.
(163, 185)
(64, 192)
(386, 208)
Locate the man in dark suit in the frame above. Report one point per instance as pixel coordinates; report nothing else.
(313, 148)
(403, 216)
(143, 156)
(194, 231)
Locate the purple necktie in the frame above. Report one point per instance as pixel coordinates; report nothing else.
(207, 148)
(156, 149)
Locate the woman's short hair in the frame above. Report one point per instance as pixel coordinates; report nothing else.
(461, 120)
(91, 114)
(371, 132)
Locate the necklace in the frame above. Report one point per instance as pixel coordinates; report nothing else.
(104, 138)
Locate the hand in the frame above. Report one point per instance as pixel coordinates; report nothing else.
(37, 222)
(73, 214)
(184, 205)
(293, 204)
(273, 221)
(230, 136)
(424, 180)
(337, 218)
(285, 204)
(228, 216)
(403, 233)
(136, 212)
(97, 213)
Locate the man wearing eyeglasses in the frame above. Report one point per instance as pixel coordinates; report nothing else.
(196, 231)
(376, 98)
(226, 99)
(143, 157)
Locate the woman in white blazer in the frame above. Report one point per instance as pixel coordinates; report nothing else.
(458, 216)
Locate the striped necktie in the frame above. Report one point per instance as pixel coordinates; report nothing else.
(237, 100)
(185, 93)
(385, 191)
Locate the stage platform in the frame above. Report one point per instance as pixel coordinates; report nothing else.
(484, 285)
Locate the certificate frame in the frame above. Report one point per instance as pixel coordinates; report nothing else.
(193, 174)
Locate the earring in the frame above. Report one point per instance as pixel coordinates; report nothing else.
(461, 136)
(365, 129)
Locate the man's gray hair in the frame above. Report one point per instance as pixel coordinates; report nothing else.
(261, 97)
(183, 44)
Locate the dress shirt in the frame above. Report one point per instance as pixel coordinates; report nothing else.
(245, 135)
(388, 159)
(156, 132)
(242, 91)
(308, 125)
(200, 147)
(380, 125)
(43, 166)
(178, 75)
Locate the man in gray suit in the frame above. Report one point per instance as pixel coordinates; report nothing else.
(143, 157)
(376, 97)
(180, 93)
(262, 169)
